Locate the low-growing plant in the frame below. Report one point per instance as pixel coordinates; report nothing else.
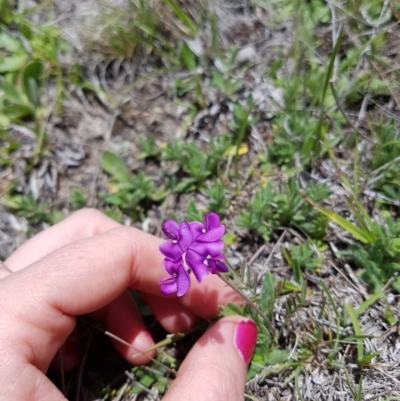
(35, 212)
(130, 192)
(149, 148)
(218, 198)
(385, 162)
(272, 209)
(193, 165)
(380, 258)
(78, 199)
(302, 257)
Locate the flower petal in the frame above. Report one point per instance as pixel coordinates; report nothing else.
(171, 250)
(211, 220)
(183, 281)
(170, 228)
(172, 266)
(215, 234)
(168, 285)
(221, 267)
(213, 249)
(197, 229)
(185, 236)
(196, 263)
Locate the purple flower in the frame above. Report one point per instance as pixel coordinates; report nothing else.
(178, 281)
(192, 247)
(210, 231)
(204, 258)
(180, 236)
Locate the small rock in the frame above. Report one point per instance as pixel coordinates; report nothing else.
(246, 54)
(12, 233)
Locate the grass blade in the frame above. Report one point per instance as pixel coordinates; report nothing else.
(181, 15)
(355, 231)
(319, 132)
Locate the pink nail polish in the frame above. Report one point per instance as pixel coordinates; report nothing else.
(245, 339)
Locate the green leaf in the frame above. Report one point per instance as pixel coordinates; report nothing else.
(355, 231)
(12, 63)
(114, 165)
(277, 356)
(267, 295)
(368, 302)
(182, 15)
(10, 43)
(357, 331)
(389, 315)
(290, 287)
(31, 79)
(188, 57)
(11, 93)
(4, 121)
(367, 358)
(319, 132)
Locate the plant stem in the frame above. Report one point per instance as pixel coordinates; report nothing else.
(250, 302)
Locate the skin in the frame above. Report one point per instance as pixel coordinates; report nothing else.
(84, 265)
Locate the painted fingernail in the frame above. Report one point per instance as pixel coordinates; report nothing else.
(245, 339)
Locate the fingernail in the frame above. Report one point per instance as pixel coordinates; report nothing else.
(245, 339)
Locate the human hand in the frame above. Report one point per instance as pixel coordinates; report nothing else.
(84, 265)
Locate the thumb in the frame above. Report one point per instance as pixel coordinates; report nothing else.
(215, 368)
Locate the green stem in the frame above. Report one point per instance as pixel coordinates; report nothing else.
(250, 302)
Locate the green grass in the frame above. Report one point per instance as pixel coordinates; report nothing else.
(282, 186)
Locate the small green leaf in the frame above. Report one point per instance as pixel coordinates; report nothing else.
(367, 358)
(367, 303)
(357, 331)
(267, 295)
(355, 231)
(12, 63)
(31, 79)
(290, 287)
(188, 57)
(182, 15)
(389, 315)
(114, 165)
(10, 43)
(277, 356)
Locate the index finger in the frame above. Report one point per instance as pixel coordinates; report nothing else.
(88, 274)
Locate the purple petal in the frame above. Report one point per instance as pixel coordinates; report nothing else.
(221, 267)
(196, 228)
(218, 266)
(183, 281)
(196, 263)
(215, 234)
(211, 220)
(171, 250)
(172, 266)
(185, 236)
(168, 285)
(170, 228)
(208, 248)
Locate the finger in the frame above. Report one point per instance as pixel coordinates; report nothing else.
(87, 275)
(82, 224)
(215, 368)
(67, 357)
(170, 313)
(122, 318)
